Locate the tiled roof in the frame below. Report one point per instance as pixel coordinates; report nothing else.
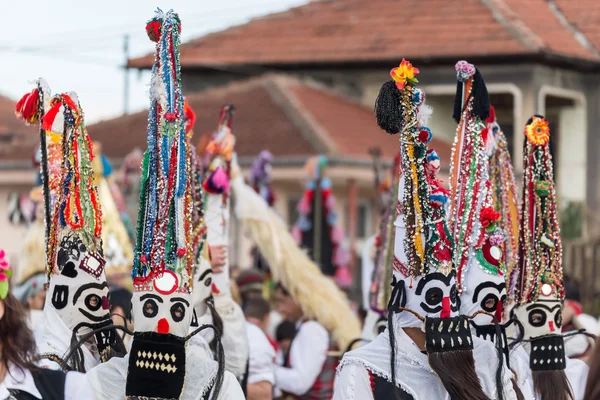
(583, 15)
(346, 31)
(291, 118)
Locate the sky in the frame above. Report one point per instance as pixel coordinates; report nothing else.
(77, 45)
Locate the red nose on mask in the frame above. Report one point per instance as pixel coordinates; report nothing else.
(162, 326)
(105, 303)
(445, 308)
(551, 326)
(499, 310)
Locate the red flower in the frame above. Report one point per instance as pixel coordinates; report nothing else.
(170, 116)
(489, 216)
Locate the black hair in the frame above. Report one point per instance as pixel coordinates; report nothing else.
(285, 330)
(121, 297)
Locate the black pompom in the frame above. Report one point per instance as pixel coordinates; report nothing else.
(481, 99)
(387, 108)
(479, 94)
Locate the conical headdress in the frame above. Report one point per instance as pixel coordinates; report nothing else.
(504, 188)
(539, 269)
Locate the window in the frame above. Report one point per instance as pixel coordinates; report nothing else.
(363, 220)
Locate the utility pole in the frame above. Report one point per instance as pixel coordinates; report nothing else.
(126, 74)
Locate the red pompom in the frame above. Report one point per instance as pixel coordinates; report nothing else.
(153, 30)
(143, 259)
(170, 116)
(28, 107)
(181, 252)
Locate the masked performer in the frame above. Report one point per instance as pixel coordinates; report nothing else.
(77, 297)
(482, 277)
(536, 283)
(160, 365)
(220, 151)
(427, 352)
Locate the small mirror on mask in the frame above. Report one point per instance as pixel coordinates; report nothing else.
(166, 283)
(93, 265)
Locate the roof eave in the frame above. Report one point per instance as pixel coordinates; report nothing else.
(542, 57)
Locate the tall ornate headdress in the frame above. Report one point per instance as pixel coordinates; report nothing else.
(317, 229)
(504, 188)
(424, 279)
(164, 254)
(537, 280)
(76, 266)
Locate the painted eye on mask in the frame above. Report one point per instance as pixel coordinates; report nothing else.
(208, 282)
(537, 318)
(150, 308)
(434, 296)
(558, 319)
(177, 312)
(93, 302)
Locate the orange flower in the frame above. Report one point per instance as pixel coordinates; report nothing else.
(403, 74)
(538, 132)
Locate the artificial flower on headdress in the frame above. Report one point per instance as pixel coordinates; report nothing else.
(404, 74)
(5, 274)
(489, 217)
(538, 131)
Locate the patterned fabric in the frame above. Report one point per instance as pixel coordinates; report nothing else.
(322, 389)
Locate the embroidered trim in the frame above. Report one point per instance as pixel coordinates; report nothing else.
(54, 357)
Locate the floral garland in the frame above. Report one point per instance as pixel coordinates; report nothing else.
(539, 266)
(164, 223)
(469, 184)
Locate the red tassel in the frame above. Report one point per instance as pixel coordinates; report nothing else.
(49, 117)
(28, 107)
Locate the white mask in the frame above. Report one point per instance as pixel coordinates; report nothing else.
(78, 291)
(202, 288)
(541, 317)
(163, 309)
(433, 295)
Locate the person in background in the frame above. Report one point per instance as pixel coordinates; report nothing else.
(20, 377)
(262, 350)
(251, 283)
(307, 371)
(284, 334)
(32, 294)
(120, 310)
(574, 319)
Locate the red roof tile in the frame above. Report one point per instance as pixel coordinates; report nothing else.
(383, 30)
(584, 15)
(292, 119)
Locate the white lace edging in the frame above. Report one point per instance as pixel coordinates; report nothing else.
(382, 374)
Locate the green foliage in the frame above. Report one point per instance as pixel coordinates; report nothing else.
(571, 220)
